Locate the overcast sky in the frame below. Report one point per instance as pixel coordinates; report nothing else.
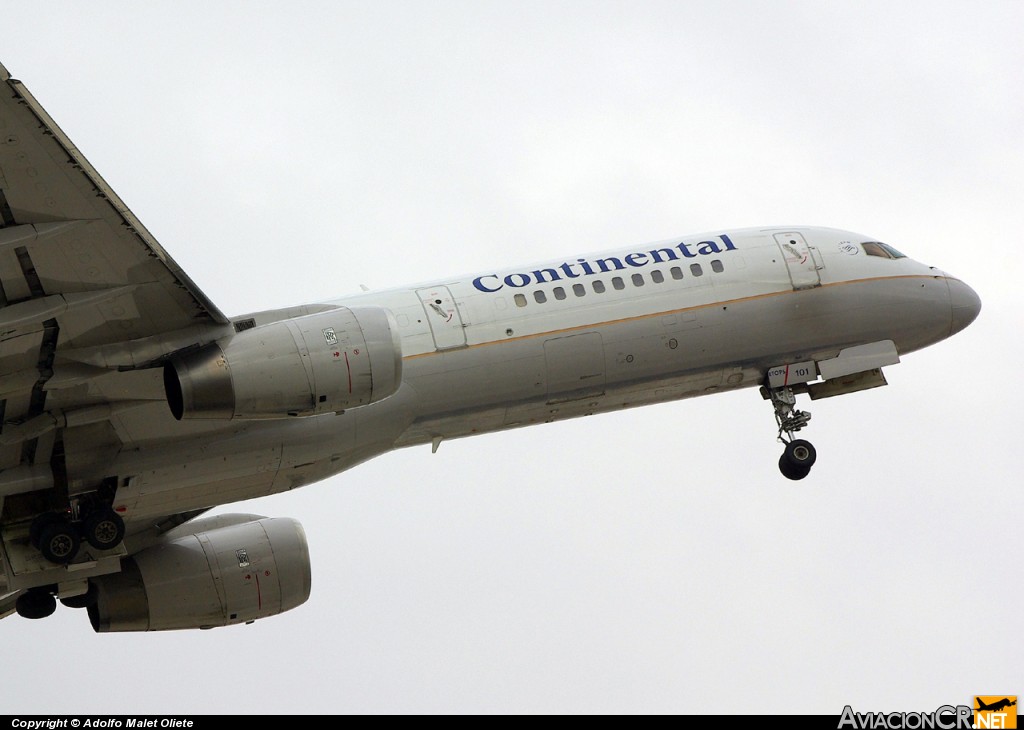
(647, 561)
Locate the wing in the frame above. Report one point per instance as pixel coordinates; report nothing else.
(84, 289)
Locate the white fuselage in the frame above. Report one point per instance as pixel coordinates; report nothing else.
(577, 336)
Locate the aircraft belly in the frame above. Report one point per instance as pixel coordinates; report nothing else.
(256, 459)
(161, 480)
(574, 367)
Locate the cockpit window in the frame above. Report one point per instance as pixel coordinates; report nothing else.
(884, 250)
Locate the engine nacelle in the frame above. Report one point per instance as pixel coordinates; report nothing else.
(319, 363)
(228, 575)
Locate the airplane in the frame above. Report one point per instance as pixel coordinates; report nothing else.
(130, 405)
(995, 706)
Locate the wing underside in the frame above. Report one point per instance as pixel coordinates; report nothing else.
(84, 288)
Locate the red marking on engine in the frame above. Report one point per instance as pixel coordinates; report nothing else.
(786, 380)
(259, 594)
(121, 508)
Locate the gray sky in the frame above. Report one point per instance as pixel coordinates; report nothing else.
(648, 561)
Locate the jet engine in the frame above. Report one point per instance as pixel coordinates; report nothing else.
(319, 363)
(227, 575)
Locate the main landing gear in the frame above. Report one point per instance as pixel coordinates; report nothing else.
(57, 536)
(36, 603)
(41, 601)
(799, 455)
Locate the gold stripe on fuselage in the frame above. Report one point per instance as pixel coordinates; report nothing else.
(638, 317)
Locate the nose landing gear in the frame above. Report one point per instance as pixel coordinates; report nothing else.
(797, 459)
(799, 455)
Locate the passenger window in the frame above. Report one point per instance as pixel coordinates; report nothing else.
(717, 267)
(696, 270)
(618, 283)
(520, 300)
(657, 277)
(579, 290)
(676, 272)
(540, 297)
(638, 280)
(559, 293)
(598, 286)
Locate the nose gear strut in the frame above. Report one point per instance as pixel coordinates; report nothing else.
(799, 455)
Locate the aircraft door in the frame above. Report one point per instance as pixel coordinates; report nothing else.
(443, 316)
(575, 366)
(802, 261)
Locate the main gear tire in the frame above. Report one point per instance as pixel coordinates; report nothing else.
(59, 542)
(35, 604)
(103, 528)
(83, 601)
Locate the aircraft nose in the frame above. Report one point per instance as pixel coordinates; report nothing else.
(964, 302)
